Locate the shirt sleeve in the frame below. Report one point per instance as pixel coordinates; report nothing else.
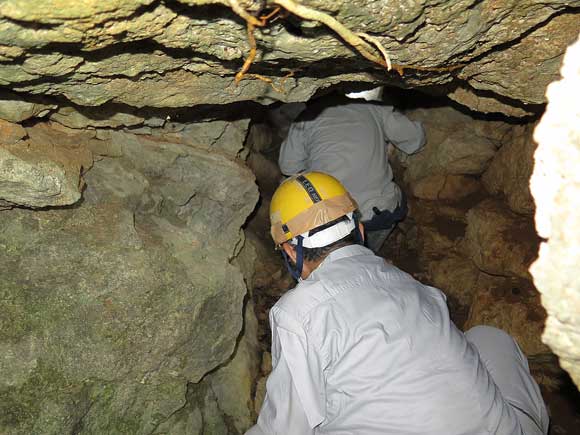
(295, 395)
(293, 155)
(406, 135)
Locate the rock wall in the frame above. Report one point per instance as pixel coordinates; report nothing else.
(469, 231)
(116, 307)
(555, 187)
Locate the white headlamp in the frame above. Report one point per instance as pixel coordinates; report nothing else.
(374, 94)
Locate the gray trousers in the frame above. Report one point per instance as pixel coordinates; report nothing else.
(509, 369)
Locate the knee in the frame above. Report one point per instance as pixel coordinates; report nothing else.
(488, 337)
(485, 331)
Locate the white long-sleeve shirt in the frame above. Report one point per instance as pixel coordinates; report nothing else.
(361, 348)
(349, 141)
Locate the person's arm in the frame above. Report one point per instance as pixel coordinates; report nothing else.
(293, 156)
(294, 391)
(408, 136)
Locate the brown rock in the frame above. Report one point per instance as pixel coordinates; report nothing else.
(457, 277)
(511, 304)
(260, 394)
(445, 187)
(499, 241)
(510, 171)
(267, 172)
(45, 170)
(456, 145)
(11, 133)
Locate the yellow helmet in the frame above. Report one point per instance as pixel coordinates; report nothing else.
(307, 201)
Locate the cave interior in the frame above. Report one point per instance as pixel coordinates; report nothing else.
(139, 155)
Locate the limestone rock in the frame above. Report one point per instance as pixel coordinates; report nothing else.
(260, 394)
(554, 185)
(35, 177)
(234, 382)
(510, 170)
(267, 173)
(14, 109)
(45, 170)
(491, 72)
(456, 145)
(445, 187)
(260, 137)
(11, 133)
(480, 102)
(511, 304)
(98, 117)
(114, 306)
(266, 368)
(500, 242)
(457, 277)
(223, 136)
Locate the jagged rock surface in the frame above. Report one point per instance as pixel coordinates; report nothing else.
(41, 166)
(555, 186)
(511, 304)
(149, 53)
(500, 242)
(112, 307)
(457, 148)
(509, 172)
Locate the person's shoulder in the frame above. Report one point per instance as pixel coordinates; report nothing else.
(378, 106)
(299, 301)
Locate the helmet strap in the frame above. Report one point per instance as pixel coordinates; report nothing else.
(295, 269)
(358, 237)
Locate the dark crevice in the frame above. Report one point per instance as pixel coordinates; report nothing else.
(438, 93)
(212, 12)
(31, 25)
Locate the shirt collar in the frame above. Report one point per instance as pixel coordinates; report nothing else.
(344, 252)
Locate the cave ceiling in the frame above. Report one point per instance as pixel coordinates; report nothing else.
(492, 56)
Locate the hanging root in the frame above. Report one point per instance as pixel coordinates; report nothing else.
(251, 56)
(379, 46)
(250, 19)
(356, 41)
(366, 45)
(278, 88)
(251, 23)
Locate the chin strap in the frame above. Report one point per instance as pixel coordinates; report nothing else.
(358, 237)
(295, 270)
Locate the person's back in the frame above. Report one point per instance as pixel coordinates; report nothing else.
(391, 360)
(348, 139)
(361, 348)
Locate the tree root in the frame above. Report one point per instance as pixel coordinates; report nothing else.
(251, 23)
(365, 44)
(347, 35)
(379, 47)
